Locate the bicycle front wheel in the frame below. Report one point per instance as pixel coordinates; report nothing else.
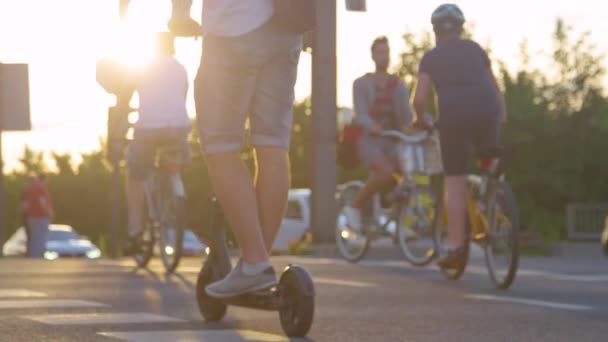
(416, 222)
(352, 244)
(172, 211)
(502, 248)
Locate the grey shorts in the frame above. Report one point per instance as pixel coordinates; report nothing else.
(372, 148)
(248, 77)
(145, 145)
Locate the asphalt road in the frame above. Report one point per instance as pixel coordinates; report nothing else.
(380, 299)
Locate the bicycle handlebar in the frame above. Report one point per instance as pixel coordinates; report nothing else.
(408, 139)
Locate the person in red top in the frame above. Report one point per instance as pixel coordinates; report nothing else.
(38, 208)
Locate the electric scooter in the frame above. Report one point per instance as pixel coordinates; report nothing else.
(293, 297)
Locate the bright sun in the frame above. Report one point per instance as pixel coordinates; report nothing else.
(132, 41)
(132, 46)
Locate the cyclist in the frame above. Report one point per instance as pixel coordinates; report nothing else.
(162, 86)
(381, 102)
(471, 110)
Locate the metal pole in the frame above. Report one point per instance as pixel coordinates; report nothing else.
(116, 188)
(2, 207)
(2, 195)
(324, 110)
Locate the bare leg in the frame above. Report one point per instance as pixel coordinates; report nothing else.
(233, 186)
(456, 210)
(135, 203)
(382, 175)
(272, 186)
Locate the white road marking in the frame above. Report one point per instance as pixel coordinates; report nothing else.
(48, 303)
(101, 318)
(20, 293)
(533, 302)
(341, 282)
(197, 336)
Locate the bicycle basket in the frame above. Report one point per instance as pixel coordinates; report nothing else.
(422, 158)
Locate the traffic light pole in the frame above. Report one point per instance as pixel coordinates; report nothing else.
(324, 111)
(114, 144)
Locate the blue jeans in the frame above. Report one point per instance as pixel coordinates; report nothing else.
(39, 229)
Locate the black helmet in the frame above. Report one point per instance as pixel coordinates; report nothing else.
(447, 18)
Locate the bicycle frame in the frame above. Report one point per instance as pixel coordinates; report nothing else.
(381, 229)
(478, 221)
(167, 170)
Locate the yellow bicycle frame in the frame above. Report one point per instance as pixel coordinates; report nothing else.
(477, 220)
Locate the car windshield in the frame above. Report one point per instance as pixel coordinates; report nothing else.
(190, 236)
(62, 235)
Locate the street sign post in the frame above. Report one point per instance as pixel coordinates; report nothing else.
(14, 116)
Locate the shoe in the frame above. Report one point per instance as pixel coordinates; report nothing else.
(238, 283)
(455, 259)
(353, 218)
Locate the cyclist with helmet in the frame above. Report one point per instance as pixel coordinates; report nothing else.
(471, 110)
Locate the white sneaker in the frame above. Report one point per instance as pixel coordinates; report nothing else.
(353, 218)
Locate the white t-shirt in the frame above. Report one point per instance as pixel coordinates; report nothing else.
(235, 17)
(162, 86)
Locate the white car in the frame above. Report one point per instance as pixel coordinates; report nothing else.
(296, 222)
(192, 245)
(62, 241)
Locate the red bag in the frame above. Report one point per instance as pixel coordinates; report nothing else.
(347, 155)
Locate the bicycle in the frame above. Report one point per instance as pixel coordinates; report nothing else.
(165, 210)
(492, 221)
(411, 216)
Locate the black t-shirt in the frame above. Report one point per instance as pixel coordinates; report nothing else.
(459, 70)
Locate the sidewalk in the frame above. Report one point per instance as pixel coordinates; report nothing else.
(569, 249)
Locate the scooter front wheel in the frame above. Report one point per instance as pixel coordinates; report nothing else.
(297, 301)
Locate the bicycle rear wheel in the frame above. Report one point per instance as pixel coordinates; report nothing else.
(172, 220)
(415, 229)
(502, 247)
(148, 239)
(352, 244)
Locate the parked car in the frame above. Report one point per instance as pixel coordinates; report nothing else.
(192, 245)
(62, 241)
(296, 222)
(605, 236)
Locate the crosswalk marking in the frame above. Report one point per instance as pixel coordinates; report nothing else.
(101, 318)
(533, 302)
(340, 282)
(20, 293)
(48, 303)
(198, 335)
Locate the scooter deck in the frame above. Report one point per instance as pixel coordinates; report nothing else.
(264, 300)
